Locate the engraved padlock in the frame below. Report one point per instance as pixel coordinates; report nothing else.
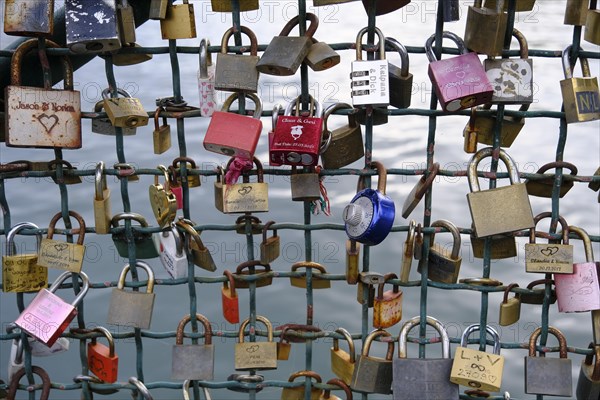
(256, 355)
(103, 126)
(124, 112)
(21, 272)
(243, 197)
(370, 84)
(236, 72)
(62, 255)
(552, 257)
(581, 96)
(102, 211)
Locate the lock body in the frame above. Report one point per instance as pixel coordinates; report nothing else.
(28, 18)
(193, 361)
(80, 15)
(485, 29)
(131, 308)
(179, 22)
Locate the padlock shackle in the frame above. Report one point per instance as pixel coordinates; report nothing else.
(275, 115)
(298, 328)
(165, 172)
(310, 31)
(382, 177)
(252, 263)
(568, 68)
(157, 116)
(77, 216)
(67, 274)
(186, 389)
(558, 164)
(414, 321)
(309, 264)
(122, 92)
(562, 341)
(376, 333)
(359, 38)
(139, 385)
(10, 328)
(330, 110)
(400, 49)
(52, 164)
(386, 278)
(349, 340)
(109, 337)
(445, 35)
(535, 283)
(444, 223)
(143, 265)
(511, 166)
(548, 214)
(204, 57)
(130, 216)
(523, 45)
(587, 242)
(507, 291)
(245, 30)
(26, 47)
(259, 318)
(177, 237)
(477, 327)
(100, 181)
(266, 228)
(341, 384)
(188, 226)
(10, 237)
(257, 103)
(315, 111)
(46, 383)
(589, 359)
(125, 169)
(230, 282)
(188, 160)
(305, 373)
(185, 320)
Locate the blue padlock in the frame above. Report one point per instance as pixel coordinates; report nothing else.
(370, 215)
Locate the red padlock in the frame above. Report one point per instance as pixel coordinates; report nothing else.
(102, 360)
(175, 186)
(233, 134)
(230, 300)
(297, 138)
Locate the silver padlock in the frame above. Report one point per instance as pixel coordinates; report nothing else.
(172, 254)
(15, 361)
(39, 349)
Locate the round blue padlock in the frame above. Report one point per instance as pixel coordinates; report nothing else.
(370, 215)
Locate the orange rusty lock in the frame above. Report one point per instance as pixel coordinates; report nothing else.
(387, 306)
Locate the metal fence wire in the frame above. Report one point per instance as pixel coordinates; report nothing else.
(142, 338)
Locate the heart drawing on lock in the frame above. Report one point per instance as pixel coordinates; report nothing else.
(48, 121)
(252, 349)
(460, 74)
(60, 246)
(549, 251)
(245, 190)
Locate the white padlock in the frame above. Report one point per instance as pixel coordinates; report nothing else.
(16, 360)
(206, 81)
(370, 78)
(39, 349)
(172, 255)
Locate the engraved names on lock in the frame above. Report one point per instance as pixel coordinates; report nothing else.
(372, 83)
(61, 255)
(47, 312)
(22, 273)
(548, 259)
(481, 367)
(588, 102)
(244, 198)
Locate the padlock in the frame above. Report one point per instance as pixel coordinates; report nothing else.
(124, 112)
(126, 21)
(408, 252)
(536, 296)
(383, 6)
(520, 6)
(242, 197)
(400, 79)
(478, 369)
(62, 255)
(175, 186)
(274, 117)
(321, 56)
(186, 388)
(194, 247)
(444, 265)
(162, 200)
(229, 299)
(488, 207)
(306, 186)
(550, 258)
(284, 346)
(326, 394)
(102, 360)
(124, 58)
(576, 12)
(131, 308)
(285, 53)
(269, 247)
(261, 277)
(172, 254)
(485, 125)
(545, 375)
(369, 216)
(46, 383)
(193, 361)
(103, 126)
(343, 363)
(102, 212)
(158, 9)
(226, 5)
(146, 244)
(252, 383)
(501, 246)
(236, 72)
(39, 349)
(423, 378)
(485, 28)
(68, 177)
(16, 361)
(47, 316)
(140, 389)
(418, 191)
(387, 306)
(256, 355)
(161, 136)
(193, 180)
(206, 80)
(81, 15)
(298, 392)
(454, 91)
(179, 22)
(592, 24)
(511, 78)
(378, 115)
(41, 117)
(317, 281)
(26, 18)
(580, 291)
(233, 134)
(297, 138)
(370, 83)
(127, 171)
(588, 385)
(21, 272)
(581, 96)
(418, 245)
(374, 374)
(352, 261)
(345, 143)
(544, 187)
(248, 225)
(365, 290)
(470, 134)
(510, 309)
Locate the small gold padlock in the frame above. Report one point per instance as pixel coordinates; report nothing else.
(162, 200)
(65, 174)
(63, 255)
(179, 22)
(201, 256)
(270, 247)
(124, 112)
(161, 136)
(193, 180)
(102, 212)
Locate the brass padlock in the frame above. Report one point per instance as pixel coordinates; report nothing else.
(226, 5)
(317, 270)
(503, 245)
(401, 81)
(28, 18)
(298, 392)
(544, 187)
(158, 9)
(344, 145)
(343, 363)
(408, 252)
(126, 22)
(179, 21)
(545, 375)
(352, 261)
(326, 395)
(581, 96)
(260, 277)
(321, 56)
(126, 171)
(306, 186)
(520, 6)
(123, 58)
(103, 126)
(124, 112)
(21, 272)
(470, 134)
(444, 266)
(510, 129)
(162, 200)
(576, 12)
(374, 374)
(67, 176)
(485, 28)
(63, 255)
(193, 180)
(592, 25)
(537, 296)
(550, 258)
(510, 309)
(250, 222)
(381, 7)
(199, 253)
(236, 72)
(242, 197)
(102, 212)
(161, 136)
(269, 247)
(256, 355)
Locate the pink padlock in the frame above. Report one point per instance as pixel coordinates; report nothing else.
(459, 82)
(580, 291)
(47, 316)
(175, 187)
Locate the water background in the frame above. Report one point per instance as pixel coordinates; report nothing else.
(399, 144)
